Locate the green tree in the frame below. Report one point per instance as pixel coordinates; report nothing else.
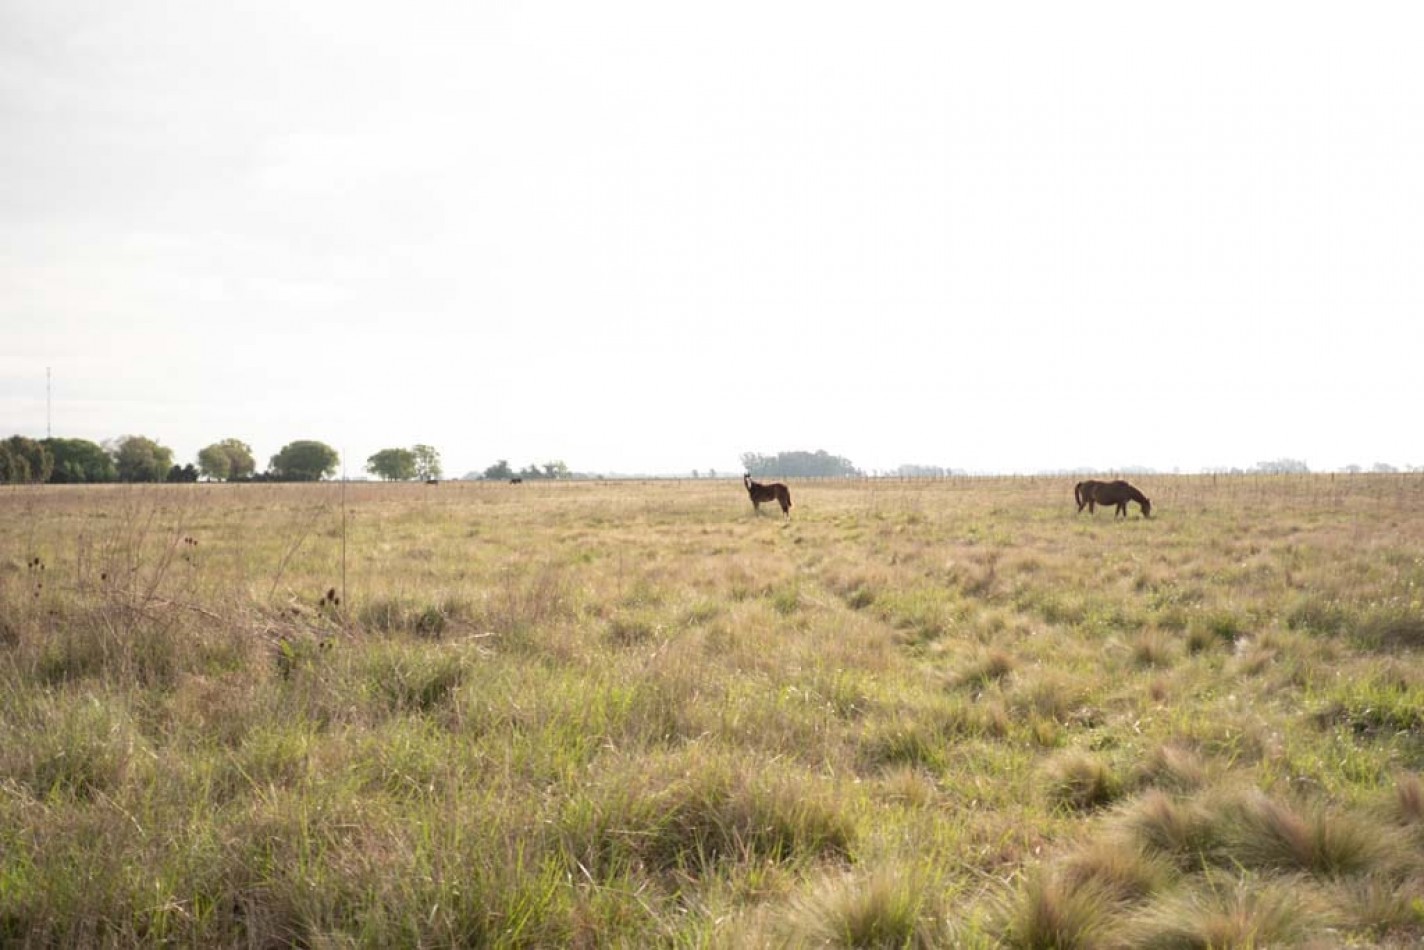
(499, 471)
(427, 462)
(394, 465)
(179, 474)
(304, 461)
(79, 461)
(228, 460)
(23, 461)
(140, 459)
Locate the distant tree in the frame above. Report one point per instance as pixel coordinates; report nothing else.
(427, 462)
(1283, 467)
(179, 474)
(79, 461)
(499, 471)
(920, 471)
(816, 464)
(214, 463)
(1384, 468)
(549, 470)
(304, 461)
(1353, 469)
(140, 459)
(24, 461)
(394, 465)
(228, 460)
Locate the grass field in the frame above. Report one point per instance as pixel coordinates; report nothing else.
(918, 714)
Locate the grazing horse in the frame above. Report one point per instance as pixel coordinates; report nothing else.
(1119, 493)
(776, 492)
(516, 481)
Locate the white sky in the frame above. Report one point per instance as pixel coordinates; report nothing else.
(649, 237)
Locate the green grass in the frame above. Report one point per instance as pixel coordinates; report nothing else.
(918, 714)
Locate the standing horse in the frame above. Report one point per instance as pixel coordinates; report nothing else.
(776, 492)
(1119, 493)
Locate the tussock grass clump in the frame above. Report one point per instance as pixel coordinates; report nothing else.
(1054, 696)
(1118, 868)
(1079, 781)
(1230, 914)
(903, 742)
(632, 627)
(991, 666)
(1382, 907)
(1318, 614)
(1408, 800)
(1151, 649)
(925, 614)
(691, 812)
(888, 908)
(1248, 829)
(1262, 832)
(1179, 830)
(397, 614)
(410, 677)
(1223, 626)
(1050, 912)
(922, 737)
(1172, 768)
(1391, 630)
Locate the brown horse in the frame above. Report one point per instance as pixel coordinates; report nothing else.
(776, 492)
(1119, 493)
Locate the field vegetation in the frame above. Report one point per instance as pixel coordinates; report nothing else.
(915, 714)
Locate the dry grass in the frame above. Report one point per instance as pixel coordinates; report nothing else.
(943, 713)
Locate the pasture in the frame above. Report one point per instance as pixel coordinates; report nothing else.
(915, 714)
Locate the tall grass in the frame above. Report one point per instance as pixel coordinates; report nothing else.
(947, 713)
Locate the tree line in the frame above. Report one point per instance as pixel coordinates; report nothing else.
(137, 458)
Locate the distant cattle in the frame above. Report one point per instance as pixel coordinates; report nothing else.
(516, 481)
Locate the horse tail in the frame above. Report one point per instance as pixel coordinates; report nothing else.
(1078, 494)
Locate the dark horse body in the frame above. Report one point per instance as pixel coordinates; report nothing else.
(776, 492)
(1118, 493)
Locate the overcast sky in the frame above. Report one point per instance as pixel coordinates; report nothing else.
(649, 237)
